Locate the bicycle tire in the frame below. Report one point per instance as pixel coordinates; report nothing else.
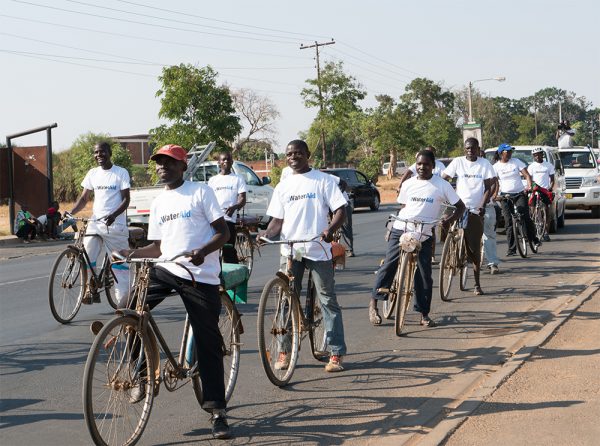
(111, 371)
(65, 304)
(520, 239)
(405, 286)
(540, 221)
(390, 304)
(314, 315)
(464, 266)
(229, 326)
(109, 283)
(277, 317)
(245, 249)
(447, 267)
(482, 254)
(464, 276)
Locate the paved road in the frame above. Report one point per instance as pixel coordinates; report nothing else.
(392, 387)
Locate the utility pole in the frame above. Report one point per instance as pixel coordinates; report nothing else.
(316, 46)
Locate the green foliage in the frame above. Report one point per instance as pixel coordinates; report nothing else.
(198, 110)
(253, 151)
(140, 176)
(275, 175)
(71, 166)
(370, 166)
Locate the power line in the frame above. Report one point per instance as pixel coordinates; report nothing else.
(153, 25)
(149, 39)
(370, 63)
(382, 60)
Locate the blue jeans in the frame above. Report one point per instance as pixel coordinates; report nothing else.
(322, 276)
(423, 281)
(489, 236)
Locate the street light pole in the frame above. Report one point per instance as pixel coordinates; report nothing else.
(470, 93)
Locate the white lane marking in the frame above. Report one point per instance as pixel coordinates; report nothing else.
(25, 280)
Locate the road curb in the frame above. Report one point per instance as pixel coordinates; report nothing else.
(484, 388)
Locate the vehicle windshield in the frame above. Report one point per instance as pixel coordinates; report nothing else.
(205, 172)
(523, 155)
(577, 160)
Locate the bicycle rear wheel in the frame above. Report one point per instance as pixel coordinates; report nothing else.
(390, 304)
(109, 282)
(447, 266)
(464, 265)
(540, 220)
(67, 285)
(520, 238)
(229, 326)
(117, 364)
(245, 249)
(278, 331)
(314, 316)
(464, 275)
(404, 290)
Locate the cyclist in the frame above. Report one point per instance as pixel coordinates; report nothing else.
(299, 210)
(110, 186)
(474, 179)
(542, 175)
(509, 173)
(230, 190)
(422, 198)
(186, 216)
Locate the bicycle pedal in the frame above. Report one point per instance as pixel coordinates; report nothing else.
(383, 290)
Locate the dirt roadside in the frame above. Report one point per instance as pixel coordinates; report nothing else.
(554, 398)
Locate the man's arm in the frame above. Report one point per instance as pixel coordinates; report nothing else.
(273, 229)
(445, 176)
(527, 178)
(81, 201)
(339, 215)
(551, 182)
(488, 184)
(405, 177)
(151, 251)
(241, 202)
(460, 209)
(216, 242)
(125, 197)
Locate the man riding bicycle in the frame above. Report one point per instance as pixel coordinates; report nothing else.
(110, 186)
(542, 174)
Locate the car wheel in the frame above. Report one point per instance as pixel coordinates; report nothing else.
(375, 204)
(595, 212)
(552, 226)
(561, 220)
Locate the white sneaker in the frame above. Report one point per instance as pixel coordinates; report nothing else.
(283, 361)
(494, 269)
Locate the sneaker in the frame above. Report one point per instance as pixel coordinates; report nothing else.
(137, 394)
(511, 253)
(426, 321)
(220, 428)
(494, 269)
(546, 238)
(96, 298)
(283, 361)
(374, 317)
(478, 291)
(434, 261)
(350, 254)
(26, 242)
(334, 364)
(87, 299)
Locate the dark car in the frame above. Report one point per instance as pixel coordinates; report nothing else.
(361, 190)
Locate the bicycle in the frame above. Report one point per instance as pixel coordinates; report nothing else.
(401, 289)
(518, 226)
(280, 315)
(454, 259)
(244, 242)
(538, 214)
(72, 266)
(125, 354)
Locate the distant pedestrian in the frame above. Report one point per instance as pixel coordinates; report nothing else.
(26, 225)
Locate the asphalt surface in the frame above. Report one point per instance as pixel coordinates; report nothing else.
(395, 389)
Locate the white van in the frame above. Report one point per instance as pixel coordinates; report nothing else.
(583, 179)
(401, 167)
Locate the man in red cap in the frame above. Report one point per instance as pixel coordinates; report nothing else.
(186, 217)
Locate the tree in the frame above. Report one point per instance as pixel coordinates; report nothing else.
(71, 166)
(259, 115)
(198, 109)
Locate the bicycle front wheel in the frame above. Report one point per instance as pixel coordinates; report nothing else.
(540, 221)
(314, 315)
(67, 285)
(404, 291)
(117, 366)
(229, 326)
(447, 267)
(390, 304)
(278, 331)
(464, 265)
(520, 239)
(245, 249)
(109, 282)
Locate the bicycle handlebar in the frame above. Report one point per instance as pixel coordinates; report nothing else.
(290, 242)
(416, 222)
(156, 260)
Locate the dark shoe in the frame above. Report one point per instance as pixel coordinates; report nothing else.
(87, 299)
(137, 394)
(220, 428)
(96, 298)
(478, 291)
(426, 321)
(374, 316)
(546, 238)
(511, 253)
(434, 261)
(350, 254)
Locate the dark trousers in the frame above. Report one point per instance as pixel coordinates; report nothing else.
(229, 252)
(423, 280)
(347, 229)
(203, 305)
(522, 206)
(27, 231)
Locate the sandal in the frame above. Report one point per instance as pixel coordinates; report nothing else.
(374, 317)
(478, 291)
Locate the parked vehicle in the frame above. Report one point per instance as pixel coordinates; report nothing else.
(583, 179)
(257, 198)
(401, 167)
(363, 193)
(559, 204)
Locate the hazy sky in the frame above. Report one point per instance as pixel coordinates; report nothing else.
(91, 66)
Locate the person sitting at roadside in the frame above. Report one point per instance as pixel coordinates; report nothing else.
(26, 224)
(52, 220)
(422, 197)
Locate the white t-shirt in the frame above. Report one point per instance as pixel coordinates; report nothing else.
(288, 171)
(227, 188)
(424, 200)
(540, 173)
(509, 175)
(565, 141)
(437, 169)
(181, 219)
(107, 186)
(303, 202)
(470, 176)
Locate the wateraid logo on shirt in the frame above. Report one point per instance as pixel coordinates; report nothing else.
(307, 196)
(473, 175)
(422, 200)
(175, 216)
(108, 187)
(223, 188)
